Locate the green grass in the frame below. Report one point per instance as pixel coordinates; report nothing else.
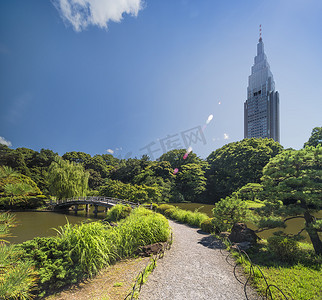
(300, 280)
(185, 216)
(297, 282)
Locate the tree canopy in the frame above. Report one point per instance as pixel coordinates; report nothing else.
(292, 186)
(315, 138)
(67, 179)
(238, 163)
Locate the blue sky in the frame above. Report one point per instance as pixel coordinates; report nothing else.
(122, 75)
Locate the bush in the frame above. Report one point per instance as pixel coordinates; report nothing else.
(284, 248)
(28, 202)
(207, 225)
(118, 212)
(229, 211)
(163, 207)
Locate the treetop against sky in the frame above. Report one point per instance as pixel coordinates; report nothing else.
(143, 77)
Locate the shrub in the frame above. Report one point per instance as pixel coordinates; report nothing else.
(28, 202)
(229, 211)
(118, 212)
(207, 225)
(163, 207)
(284, 248)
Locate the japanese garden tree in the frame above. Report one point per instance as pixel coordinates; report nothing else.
(292, 186)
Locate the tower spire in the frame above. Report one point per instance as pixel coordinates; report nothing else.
(260, 32)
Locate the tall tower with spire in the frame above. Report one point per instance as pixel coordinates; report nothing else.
(261, 109)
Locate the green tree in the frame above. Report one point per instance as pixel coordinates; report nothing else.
(292, 186)
(250, 191)
(77, 157)
(95, 180)
(17, 190)
(67, 179)
(315, 138)
(128, 169)
(176, 158)
(229, 211)
(236, 164)
(98, 164)
(190, 182)
(14, 159)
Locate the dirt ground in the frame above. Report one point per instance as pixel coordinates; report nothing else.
(113, 283)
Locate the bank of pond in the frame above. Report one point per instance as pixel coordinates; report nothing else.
(40, 224)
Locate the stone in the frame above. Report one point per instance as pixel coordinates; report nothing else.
(150, 249)
(241, 233)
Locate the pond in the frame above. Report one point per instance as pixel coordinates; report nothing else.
(293, 226)
(32, 224)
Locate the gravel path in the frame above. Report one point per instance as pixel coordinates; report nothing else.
(193, 269)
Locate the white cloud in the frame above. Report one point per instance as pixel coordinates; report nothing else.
(226, 136)
(110, 151)
(3, 141)
(82, 13)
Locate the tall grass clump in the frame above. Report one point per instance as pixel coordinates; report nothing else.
(80, 251)
(89, 243)
(141, 228)
(118, 212)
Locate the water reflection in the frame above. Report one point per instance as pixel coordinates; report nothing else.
(32, 224)
(293, 225)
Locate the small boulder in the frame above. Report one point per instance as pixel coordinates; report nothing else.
(150, 249)
(241, 233)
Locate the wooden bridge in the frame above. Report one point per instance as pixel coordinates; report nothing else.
(106, 202)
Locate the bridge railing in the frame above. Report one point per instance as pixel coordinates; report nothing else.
(92, 199)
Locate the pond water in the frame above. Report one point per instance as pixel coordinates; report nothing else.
(32, 224)
(293, 226)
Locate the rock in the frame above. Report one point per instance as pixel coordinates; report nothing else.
(242, 246)
(150, 249)
(241, 233)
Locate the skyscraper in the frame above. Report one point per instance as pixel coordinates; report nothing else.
(261, 109)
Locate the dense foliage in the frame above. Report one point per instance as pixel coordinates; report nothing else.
(315, 138)
(18, 191)
(30, 163)
(118, 212)
(131, 192)
(229, 211)
(236, 164)
(292, 186)
(67, 179)
(17, 277)
(80, 251)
